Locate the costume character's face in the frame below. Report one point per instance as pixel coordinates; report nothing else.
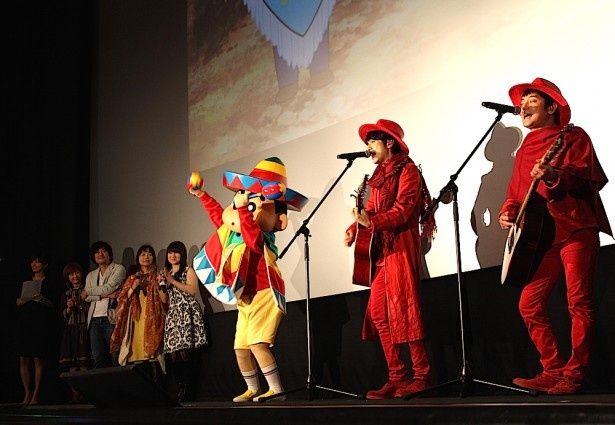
(263, 210)
(534, 112)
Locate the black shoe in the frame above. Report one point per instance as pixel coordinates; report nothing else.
(181, 391)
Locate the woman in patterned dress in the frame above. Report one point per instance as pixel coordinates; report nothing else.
(184, 329)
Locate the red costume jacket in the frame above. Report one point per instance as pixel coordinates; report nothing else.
(403, 260)
(572, 200)
(253, 272)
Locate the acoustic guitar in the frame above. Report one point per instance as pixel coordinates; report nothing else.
(524, 236)
(362, 272)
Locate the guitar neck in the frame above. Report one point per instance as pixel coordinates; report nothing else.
(526, 200)
(549, 154)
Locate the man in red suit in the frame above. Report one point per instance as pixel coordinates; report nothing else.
(567, 195)
(398, 197)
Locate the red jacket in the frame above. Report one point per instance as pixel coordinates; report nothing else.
(573, 200)
(403, 262)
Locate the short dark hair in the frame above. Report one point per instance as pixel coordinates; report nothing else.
(378, 135)
(143, 248)
(40, 256)
(548, 101)
(97, 246)
(381, 135)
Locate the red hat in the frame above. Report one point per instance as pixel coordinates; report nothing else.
(546, 87)
(389, 127)
(269, 178)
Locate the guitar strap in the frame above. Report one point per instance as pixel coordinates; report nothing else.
(428, 226)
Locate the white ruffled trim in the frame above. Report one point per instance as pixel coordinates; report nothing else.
(296, 50)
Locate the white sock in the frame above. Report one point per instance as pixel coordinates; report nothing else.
(251, 379)
(273, 377)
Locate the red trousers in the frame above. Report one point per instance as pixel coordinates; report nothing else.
(576, 259)
(377, 306)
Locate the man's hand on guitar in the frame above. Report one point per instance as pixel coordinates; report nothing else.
(544, 172)
(362, 218)
(506, 221)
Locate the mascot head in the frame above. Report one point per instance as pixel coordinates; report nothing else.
(265, 193)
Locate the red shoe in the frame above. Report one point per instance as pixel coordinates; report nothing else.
(411, 387)
(388, 390)
(540, 382)
(566, 385)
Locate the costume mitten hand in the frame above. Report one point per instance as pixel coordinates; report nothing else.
(240, 199)
(194, 184)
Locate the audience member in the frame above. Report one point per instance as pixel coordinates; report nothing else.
(101, 286)
(75, 347)
(184, 329)
(36, 311)
(141, 311)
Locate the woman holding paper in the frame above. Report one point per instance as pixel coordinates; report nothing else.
(35, 330)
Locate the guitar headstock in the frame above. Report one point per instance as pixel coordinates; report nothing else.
(360, 193)
(553, 150)
(557, 145)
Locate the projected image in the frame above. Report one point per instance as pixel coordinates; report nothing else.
(266, 72)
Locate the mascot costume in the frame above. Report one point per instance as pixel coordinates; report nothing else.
(238, 266)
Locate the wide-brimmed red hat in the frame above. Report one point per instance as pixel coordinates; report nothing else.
(389, 127)
(547, 87)
(269, 178)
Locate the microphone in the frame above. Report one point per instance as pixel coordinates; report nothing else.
(502, 108)
(354, 155)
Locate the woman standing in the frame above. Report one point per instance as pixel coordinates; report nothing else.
(35, 327)
(184, 328)
(75, 348)
(141, 311)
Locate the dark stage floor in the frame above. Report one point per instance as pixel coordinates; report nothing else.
(514, 409)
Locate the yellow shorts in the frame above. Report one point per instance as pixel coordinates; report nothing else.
(257, 320)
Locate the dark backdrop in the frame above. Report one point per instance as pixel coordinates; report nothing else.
(44, 166)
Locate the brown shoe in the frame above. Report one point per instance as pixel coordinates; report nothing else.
(541, 382)
(566, 385)
(412, 387)
(388, 390)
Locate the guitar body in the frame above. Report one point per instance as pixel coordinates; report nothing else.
(524, 236)
(362, 272)
(522, 244)
(521, 249)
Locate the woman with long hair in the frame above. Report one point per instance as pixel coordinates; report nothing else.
(184, 328)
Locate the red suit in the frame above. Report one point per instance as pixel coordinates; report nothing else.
(577, 215)
(393, 312)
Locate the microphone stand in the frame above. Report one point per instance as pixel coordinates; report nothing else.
(466, 378)
(310, 385)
